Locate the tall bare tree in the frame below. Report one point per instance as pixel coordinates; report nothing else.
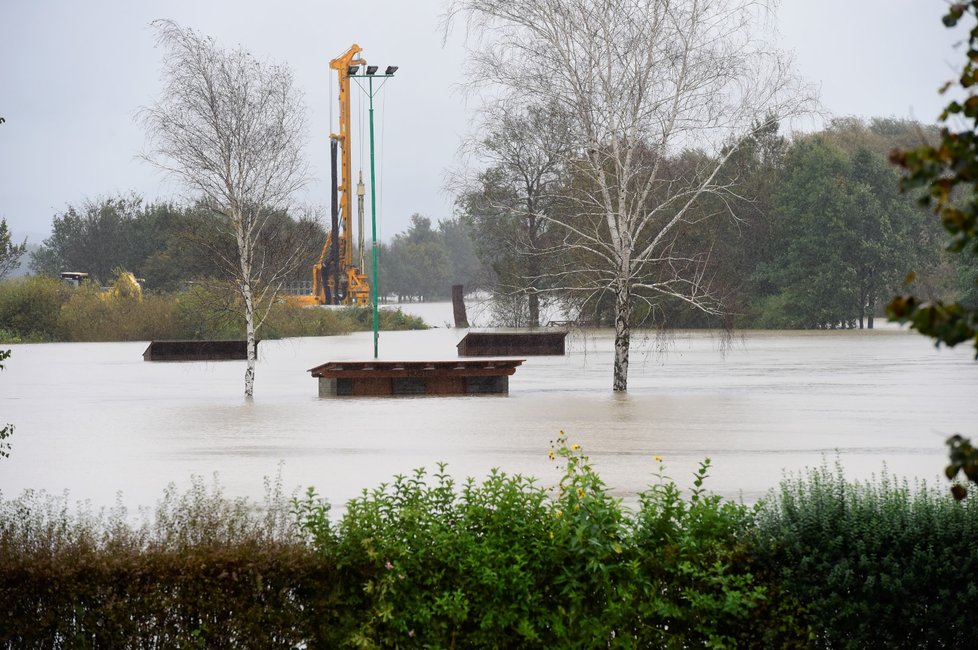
(523, 148)
(641, 82)
(231, 129)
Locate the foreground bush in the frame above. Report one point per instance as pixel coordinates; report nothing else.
(206, 572)
(505, 563)
(877, 564)
(39, 309)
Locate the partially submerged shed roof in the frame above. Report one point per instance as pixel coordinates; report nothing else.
(452, 368)
(415, 378)
(197, 350)
(480, 344)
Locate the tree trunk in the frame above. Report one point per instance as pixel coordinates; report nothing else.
(533, 275)
(458, 306)
(250, 333)
(623, 314)
(534, 302)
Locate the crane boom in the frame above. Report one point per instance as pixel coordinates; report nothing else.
(342, 66)
(341, 283)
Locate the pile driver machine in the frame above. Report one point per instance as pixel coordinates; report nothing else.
(336, 279)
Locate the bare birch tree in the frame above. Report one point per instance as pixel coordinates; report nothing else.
(641, 82)
(231, 129)
(508, 201)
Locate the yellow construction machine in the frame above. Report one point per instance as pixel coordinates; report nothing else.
(336, 280)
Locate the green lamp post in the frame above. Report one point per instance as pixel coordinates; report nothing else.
(370, 75)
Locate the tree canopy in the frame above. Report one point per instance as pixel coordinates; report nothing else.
(10, 253)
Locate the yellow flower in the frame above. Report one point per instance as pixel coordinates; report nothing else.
(551, 534)
(658, 458)
(551, 454)
(559, 514)
(580, 493)
(575, 446)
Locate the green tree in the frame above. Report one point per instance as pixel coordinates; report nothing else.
(186, 246)
(878, 135)
(95, 239)
(416, 264)
(742, 245)
(813, 276)
(887, 246)
(846, 238)
(948, 172)
(10, 253)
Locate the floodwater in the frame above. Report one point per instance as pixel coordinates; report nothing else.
(98, 421)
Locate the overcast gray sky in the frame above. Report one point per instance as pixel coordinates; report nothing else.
(73, 73)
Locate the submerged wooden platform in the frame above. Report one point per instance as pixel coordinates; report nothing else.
(480, 344)
(456, 377)
(196, 351)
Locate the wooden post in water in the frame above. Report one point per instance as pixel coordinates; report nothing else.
(458, 306)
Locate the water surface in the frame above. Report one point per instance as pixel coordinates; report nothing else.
(96, 420)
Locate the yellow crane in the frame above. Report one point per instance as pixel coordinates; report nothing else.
(336, 279)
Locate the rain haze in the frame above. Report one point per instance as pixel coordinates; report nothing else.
(74, 74)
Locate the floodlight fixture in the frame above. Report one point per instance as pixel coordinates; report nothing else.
(391, 69)
(352, 70)
(372, 69)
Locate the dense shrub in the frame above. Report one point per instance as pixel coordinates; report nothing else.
(388, 319)
(206, 572)
(45, 309)
(204, 312)
(699, 587)
(285, 321)
(90, 315)
(507, 563)
(30, 308)
(877, 564)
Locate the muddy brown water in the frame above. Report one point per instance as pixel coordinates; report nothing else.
(99, 422)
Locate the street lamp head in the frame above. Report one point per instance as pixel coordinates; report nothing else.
(372, 69)
(352, 70)
(391, 69)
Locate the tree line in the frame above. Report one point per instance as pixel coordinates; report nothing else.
(816, 235)
(819, 237)
(165, 244)
(170, 246)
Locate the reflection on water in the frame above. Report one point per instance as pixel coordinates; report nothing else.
(95, 419)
